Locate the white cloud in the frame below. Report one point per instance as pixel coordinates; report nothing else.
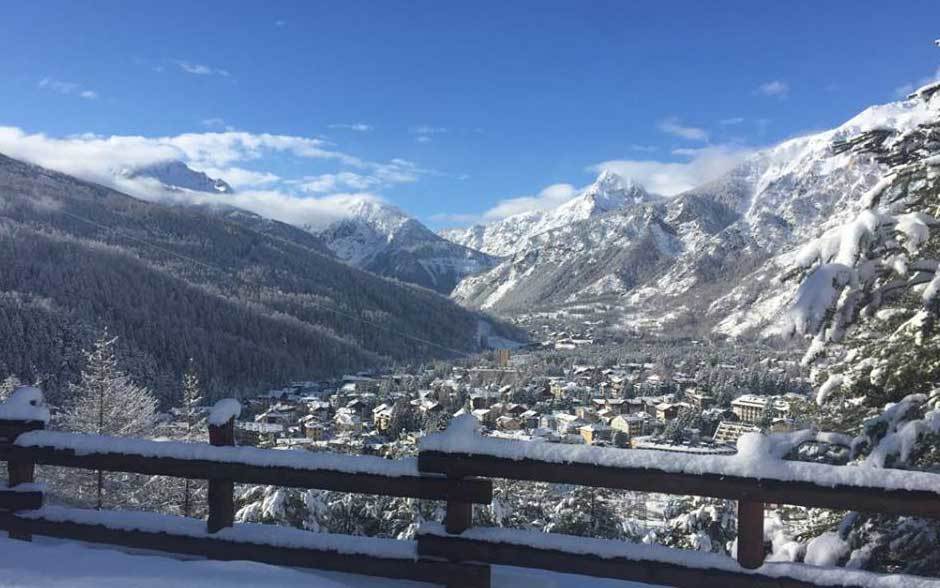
(214, 123)
(425, 133)
(101, 159)
(550, 197)
(326, 183)
(360, 127)
(302, 211)
(240, 177)
(643, 148)
(668, 177)
(200, 69)
(674, 127)
(280, 23)
(67, 88)
(735, 120)
(428, 130)
(773, 88)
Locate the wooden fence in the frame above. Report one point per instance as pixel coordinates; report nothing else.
(454, 555)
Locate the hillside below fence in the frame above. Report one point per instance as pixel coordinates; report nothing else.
(456, 467)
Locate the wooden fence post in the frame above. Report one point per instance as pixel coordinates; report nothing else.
(750, 533)
(459, 515)
(19, 471)
(221, 491)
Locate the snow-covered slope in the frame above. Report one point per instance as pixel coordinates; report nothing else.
(844, 173)
(380, 238)
(176, 175)
(508, 236)
(717, 247)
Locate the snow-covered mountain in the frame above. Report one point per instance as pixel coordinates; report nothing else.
(382, 239)
(507, 236)
(176, 175)
(718, 247)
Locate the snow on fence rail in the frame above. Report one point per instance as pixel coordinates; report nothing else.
(757, 458)
(301, 469)
(756, 475)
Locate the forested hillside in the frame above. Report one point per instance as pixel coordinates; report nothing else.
(252, 302)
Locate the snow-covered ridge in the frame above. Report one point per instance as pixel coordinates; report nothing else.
(381, 238)
(716, 248)
(510, 235)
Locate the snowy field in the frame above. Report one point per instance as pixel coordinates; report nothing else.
(53, 564)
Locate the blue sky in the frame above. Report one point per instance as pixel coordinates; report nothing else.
(451, 111)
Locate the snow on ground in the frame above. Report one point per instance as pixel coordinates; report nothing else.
(80, 565)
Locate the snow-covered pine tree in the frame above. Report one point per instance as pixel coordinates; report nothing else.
(870, 299)
(702, 524)
(9, 384)
(586, 512)
(106, 402)
(191, 417)
(402, 420)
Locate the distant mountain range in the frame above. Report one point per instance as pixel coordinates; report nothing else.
(505, 237)
(373, 235)
(252, 302)
(706, 259)
(703, 261)
(382, 239)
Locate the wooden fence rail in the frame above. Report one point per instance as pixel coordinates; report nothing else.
(751, 494)
(222, 476)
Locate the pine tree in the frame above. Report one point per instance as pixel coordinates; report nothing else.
(586, 512)
(9, 384)
(106, 402)
(702, 524)
(870, 300)
(191, 400)
(403, 419)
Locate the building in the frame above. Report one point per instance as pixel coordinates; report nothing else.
(347, 421)
(750, 408)
(633, 425)
(382, 417)
(699, 399)
(315, 431)
(595, 432)
(729, 432)
(485, 416)
(508, 423)
(666, 411)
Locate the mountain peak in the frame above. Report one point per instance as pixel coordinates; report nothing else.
(610, 191)
(381, 216)
(176, 175)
